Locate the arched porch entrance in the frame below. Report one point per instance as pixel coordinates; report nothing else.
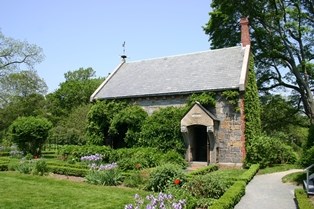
(198, 127)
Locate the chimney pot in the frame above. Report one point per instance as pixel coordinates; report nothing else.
(245, 34)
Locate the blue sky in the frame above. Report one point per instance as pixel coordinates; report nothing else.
(81, 33)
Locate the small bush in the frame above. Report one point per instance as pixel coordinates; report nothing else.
(107, 175)
(268, 151)
(207, 186)
(40, 168)
(25, 166)
(68, 171)
(302, 199)
(307, 157)
(183, 194)
(231, 197)
(163, 176)
(79, 151)
(173, 157)
(204, 170)
(249, 174)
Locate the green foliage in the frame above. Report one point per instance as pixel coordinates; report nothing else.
(248, 175)
(204, 170)
(303, 201)
(163, 176)
(268, 151)
(173, 157)
(99, 120)
(77, 152)
(252, 107)
(310, 139)
(232, 97)
(30, 133)
(207, 186)
(207, 99)
(69, 171)
(35, 167)
(135, 179)
(307, 157)
(162, 130)
(231, 197)
(137, 158)
(180, 193)
(126, 125)
(110, 177)
(71, 129)
(75, 91)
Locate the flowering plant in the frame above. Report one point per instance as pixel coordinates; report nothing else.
(104, 174)
(161, 201)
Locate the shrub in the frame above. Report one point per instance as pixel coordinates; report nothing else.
(162, 130)
(30, 133)
(25, 166)
(173, 157)
(68, 171)
(62, 135)
(107, 175)
(137, 158)
(79, 151)
(268, 151)
(207, 186)
(40, 168)
(4, 166)
(302, 199)
(248, 175)
(163, 176)
(307, 157)
(231, 197)
(134, 179)
(204, 170)
(126, 125)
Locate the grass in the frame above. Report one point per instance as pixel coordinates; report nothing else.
(278, 168)
(295, 178)
(25, 191)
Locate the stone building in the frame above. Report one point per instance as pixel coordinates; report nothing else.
(211, 135)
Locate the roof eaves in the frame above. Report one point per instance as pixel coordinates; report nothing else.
(94, 95)
(244, 69)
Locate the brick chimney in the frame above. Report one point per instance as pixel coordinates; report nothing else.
(245, 34)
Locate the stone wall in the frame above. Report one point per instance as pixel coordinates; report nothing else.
(230, 139)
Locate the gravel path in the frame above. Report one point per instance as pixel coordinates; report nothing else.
(268, 191)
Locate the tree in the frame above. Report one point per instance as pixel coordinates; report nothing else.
(15, 54)
(282, 42)
(21, 84)
(75, 91)
(30, 133)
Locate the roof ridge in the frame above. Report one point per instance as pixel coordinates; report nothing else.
(185, 54)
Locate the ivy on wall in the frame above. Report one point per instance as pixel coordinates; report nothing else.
(252, 107)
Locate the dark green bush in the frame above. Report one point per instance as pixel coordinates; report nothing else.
(3, 166)
(40, 168)
(62, 135)
(268, 151)
(30, 133)
(307, 157)
(303, 201)
(79, 151)
(204, 170)
(207, 186)
(4, 154)
(173, 157)
(163, 176)
(137, 158)
(126, 125)
(68, 171)
(162, 130)
(231, 197)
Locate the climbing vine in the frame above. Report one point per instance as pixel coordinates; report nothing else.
(252, 106)
(232, 97)
(207, 99)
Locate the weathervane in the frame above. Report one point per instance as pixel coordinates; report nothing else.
(123, 56)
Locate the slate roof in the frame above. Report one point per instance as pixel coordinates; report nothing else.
(182, 74)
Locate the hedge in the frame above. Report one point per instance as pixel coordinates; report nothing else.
(231, 197)
(68, 171)
(248, 175)
(4, 154)
(3, 166)
(204, 170)
(302, 199)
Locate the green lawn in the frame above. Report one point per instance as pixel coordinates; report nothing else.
(25, 191)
